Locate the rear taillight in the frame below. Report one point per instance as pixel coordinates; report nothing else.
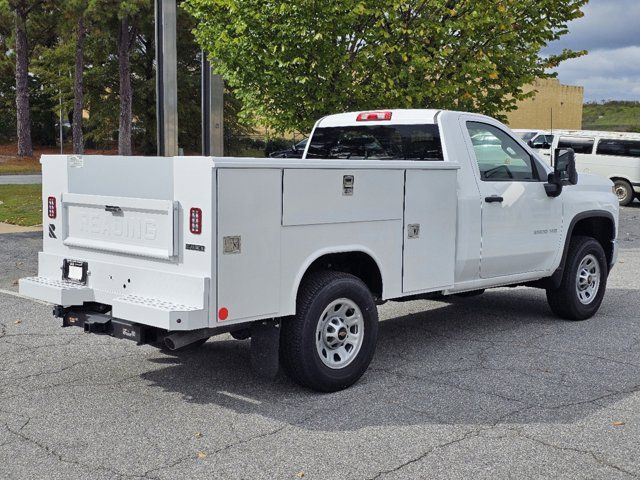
(373, 116)
(195, 221)
(52, 208)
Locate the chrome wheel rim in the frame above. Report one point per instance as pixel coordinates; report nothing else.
(588, 279)
(339, 333)
(621, 192)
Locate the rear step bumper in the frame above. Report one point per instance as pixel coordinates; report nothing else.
(153, 312)
(58, 292)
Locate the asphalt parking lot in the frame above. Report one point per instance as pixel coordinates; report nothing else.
(485, 387)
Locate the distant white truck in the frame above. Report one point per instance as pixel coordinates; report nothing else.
(297, 253)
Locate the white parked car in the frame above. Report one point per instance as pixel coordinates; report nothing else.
(612, 155)
(540, 140)
(297, 253)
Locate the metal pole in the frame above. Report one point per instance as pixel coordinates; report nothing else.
(60, 117)
(217, 116)
(166, 77)
(205, 107)
(212, 111)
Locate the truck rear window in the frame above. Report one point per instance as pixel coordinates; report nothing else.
(377, 142)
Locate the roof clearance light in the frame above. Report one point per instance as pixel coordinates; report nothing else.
(52, 207)
(195, 221)
(373, 116)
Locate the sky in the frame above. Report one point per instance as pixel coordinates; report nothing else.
(610, 31)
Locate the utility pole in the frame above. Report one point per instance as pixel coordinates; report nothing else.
(212, 111)
(166, 77)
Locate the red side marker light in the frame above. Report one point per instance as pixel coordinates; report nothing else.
(373, 116)
(223, 313)
(195, 221)
(52, 208)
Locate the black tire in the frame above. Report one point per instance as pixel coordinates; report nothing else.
(624, 191)
(564, 301)
(298, 353)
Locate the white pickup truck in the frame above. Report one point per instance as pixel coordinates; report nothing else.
(297, 253)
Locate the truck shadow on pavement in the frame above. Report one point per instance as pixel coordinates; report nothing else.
(500, 357)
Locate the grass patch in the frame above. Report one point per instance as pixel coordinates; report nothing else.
(19, 166)
(612, 116)
(21, 204)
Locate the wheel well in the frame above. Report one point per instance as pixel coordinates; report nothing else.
(613, 179)
(600, 228)
(358, 264)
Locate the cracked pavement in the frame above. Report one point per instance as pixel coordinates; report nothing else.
(486, 387)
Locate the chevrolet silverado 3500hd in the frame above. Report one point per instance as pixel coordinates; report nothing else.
(297, 253)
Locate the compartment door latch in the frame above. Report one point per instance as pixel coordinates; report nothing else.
(413, 230)
(347, 185)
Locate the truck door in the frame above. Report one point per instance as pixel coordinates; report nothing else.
(521, 225)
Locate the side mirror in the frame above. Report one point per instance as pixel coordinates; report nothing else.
(565, 166)
(564, 172)
(537, 146)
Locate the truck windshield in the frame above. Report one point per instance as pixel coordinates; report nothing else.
(377, 142)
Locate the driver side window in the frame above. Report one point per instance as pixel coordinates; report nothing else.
(500, 157)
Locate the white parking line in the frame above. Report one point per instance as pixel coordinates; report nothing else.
(240, 397)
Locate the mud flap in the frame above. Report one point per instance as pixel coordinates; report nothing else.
(265, 344)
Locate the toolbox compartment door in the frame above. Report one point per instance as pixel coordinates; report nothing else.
(327, 196)
(133, 226)
(429, 230)
(249, 213)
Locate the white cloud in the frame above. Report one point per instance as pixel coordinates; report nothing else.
(606, 74)
(610, 32)
(607, 24)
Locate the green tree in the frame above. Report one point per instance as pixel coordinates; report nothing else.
(83, 71)
(23, 11)
(7, 76)
(78, 10)
(25, 27)
(292, 61)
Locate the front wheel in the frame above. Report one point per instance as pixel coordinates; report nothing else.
(583, 283)
(329, 343)
(624, 192)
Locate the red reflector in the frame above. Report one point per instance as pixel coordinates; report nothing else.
(373, 116)
(195, 221)
(52, 208)
(223, 313)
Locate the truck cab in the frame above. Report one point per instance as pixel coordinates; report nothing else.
(507, 225)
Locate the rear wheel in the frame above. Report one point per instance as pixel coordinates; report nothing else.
(624, 192)
(329, 343)
(584, 281)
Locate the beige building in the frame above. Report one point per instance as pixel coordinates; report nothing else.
(554, 106)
